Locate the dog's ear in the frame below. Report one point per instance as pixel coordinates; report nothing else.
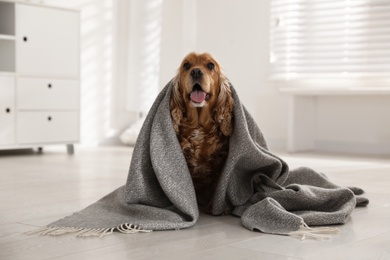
(224, 107)
(176, 104)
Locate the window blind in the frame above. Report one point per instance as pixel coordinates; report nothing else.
(330, 39)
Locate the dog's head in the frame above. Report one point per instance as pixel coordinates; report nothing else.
(199, 79)
(200, 84)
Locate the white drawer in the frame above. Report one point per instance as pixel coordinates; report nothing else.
(46, 94)
(7, 110)
(47, 127)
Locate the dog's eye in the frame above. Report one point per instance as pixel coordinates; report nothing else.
(210, 66)
(186, 66)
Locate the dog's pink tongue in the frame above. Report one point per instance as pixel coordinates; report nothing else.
(198, 96)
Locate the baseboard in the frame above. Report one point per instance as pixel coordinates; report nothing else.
(276, 144)
(353, 148)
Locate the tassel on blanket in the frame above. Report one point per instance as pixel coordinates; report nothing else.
(318, 233)
(86, 232)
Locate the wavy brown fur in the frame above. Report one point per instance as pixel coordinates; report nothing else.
(203, 129)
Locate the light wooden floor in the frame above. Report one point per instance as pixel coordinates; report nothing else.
(36, 189)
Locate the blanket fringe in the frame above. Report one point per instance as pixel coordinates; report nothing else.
(318, 233)
(87, 232)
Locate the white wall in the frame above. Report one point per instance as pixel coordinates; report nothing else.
(178, 35)
(171, 43)
(116, 51)
(103, 68)
(237, 34)
(356, 124)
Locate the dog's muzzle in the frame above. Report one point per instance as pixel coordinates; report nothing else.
(198, 95)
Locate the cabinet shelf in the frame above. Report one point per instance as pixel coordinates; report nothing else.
(7, 37)
(7, 18)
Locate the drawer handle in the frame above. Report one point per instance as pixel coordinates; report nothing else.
(8, 110)
(49, 85)
(49, 118)
(25, 38)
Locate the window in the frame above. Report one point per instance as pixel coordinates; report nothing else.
(316, 39)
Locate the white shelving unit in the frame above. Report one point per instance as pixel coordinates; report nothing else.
(39, 76)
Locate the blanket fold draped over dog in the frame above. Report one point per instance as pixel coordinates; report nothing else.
(254, 185)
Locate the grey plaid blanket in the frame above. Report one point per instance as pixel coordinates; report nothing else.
(255, 185)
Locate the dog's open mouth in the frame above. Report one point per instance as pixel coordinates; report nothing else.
(198, 95)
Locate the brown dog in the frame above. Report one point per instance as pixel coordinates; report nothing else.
(201, 109)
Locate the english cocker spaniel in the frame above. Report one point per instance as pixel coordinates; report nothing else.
(201, 109)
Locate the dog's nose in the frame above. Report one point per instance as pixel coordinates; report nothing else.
(196, 73)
